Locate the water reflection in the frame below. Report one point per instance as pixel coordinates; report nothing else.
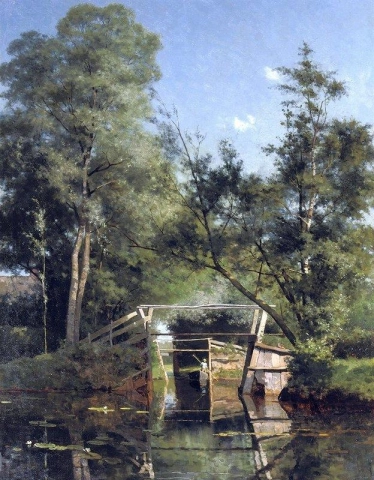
(188, 433)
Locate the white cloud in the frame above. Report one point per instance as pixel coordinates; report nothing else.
(271, 74)
(243, 125)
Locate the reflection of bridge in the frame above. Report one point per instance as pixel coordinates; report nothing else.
(263, 367)
(243, 437)
(217, 413)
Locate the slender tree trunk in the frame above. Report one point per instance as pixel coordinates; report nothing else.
(84, 271)
(267, 308)
(79, 265)
(74, 286)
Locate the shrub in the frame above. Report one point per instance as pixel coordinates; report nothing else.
(358, 344)
(311, 368)
(84, 366)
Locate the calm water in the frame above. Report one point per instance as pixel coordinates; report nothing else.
(184, 435)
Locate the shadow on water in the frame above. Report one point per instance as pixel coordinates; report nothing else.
(190, 432)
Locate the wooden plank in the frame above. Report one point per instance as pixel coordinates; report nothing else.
(190, 339)
(184, 350)
(110, 327)
(268, 369)
(109, 336)
(135, 339)
(140, 372)
(205, 334)
(285, 351)
(212, 306)
(254, 322)
(128, 328)
(261, 328)
(248, 357)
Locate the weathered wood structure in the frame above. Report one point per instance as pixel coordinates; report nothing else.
(132, 329)
(267, 370)
(263, 367)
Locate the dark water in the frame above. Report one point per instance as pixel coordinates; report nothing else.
(188, 433)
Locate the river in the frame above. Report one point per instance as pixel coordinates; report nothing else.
(183, 435)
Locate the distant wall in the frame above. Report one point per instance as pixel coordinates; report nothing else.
(225, 356)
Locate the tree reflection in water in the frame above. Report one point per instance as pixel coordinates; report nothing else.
(103, 437)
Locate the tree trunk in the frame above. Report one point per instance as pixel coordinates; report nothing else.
(74, 287)
(267, 308)
(84, 271)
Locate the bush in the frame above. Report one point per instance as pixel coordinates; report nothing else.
(84, 366)
(358, 344)
(311, 368)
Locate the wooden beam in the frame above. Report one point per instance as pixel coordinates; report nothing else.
(209, 306)
(247, 362)
(211, 334)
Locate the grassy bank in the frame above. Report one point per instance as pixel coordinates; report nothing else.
(355, 376)
(82, 367)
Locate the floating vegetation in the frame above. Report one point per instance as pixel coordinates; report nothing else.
(42, 423)
(104, 409)
(112, 460)
(83, 452)
(48, 446)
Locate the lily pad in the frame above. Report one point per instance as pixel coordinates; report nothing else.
(101, 409)
(97, 442)
(74, 447)
(112, 461)
(49, 446)
(42, 423)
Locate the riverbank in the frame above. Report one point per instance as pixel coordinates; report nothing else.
(351, 390)
(80, 367)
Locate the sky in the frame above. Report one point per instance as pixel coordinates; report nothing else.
(218, 58)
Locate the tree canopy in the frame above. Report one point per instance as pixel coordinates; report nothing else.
(293, 239)
(73, 137)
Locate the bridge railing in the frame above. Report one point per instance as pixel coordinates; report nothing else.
(132, 323)
(136, 325)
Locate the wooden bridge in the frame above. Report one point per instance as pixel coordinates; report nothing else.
(264, 367)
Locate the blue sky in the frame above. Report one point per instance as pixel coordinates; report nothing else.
(218, 57)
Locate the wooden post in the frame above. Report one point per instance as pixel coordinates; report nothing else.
(210, 380)
(252, 339)
(254, 321)
(159, 356)
(261, 328)
(149, 364)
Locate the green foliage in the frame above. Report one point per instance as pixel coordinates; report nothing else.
(84, 366)
(72, 133)
(294, 239)
(354, 376)
(355, 343)
(311, 368)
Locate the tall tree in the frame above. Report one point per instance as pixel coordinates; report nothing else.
(292, 239)
(84, 95)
